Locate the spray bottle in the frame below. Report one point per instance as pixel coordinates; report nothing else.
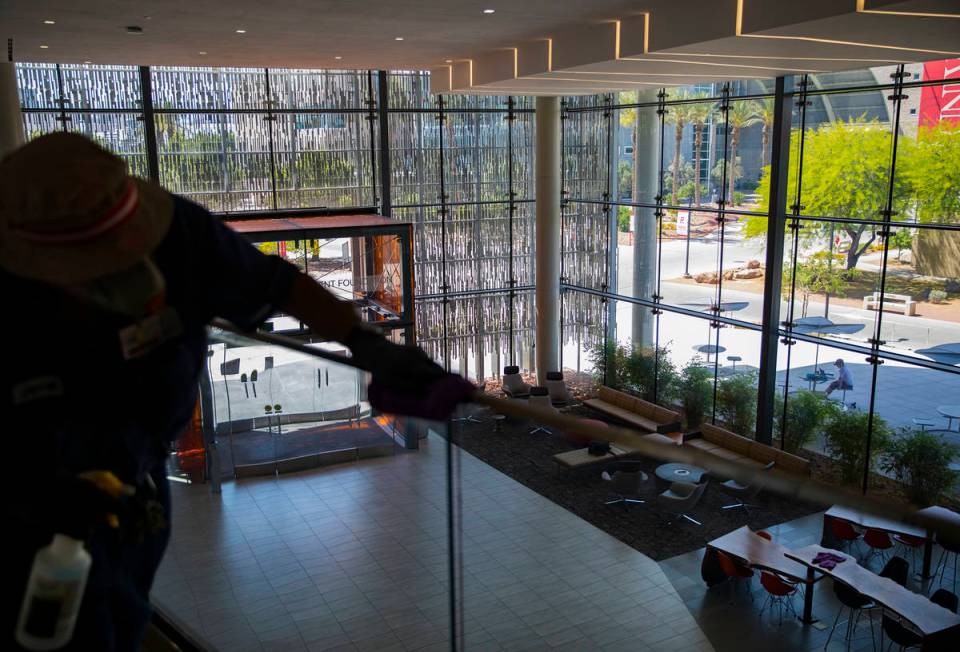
(54, 593)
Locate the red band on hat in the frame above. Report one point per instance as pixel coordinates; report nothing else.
(122, 211)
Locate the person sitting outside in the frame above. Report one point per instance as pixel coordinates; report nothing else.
(844, 377)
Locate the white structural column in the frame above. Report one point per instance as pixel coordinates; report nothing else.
(646, 167)
(548, 157)
(11, 124)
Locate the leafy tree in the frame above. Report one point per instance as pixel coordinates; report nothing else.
(846, 169)
(930, 169)
(623, 218)
(740, 116)
(817, 276)
(901, 239)
(698, 114)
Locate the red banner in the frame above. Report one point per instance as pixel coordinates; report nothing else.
(940, 102)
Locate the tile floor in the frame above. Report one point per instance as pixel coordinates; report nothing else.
(355, 558)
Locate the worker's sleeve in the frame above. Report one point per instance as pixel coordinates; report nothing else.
(238, 282)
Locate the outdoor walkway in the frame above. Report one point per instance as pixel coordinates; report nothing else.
(355, 558)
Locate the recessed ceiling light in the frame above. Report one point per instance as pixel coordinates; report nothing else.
(202, 52)
(44, 47)
(489, 11)
(338, 58)
(87, 62)
(49, 22)
(241, 31)
(448, 60)
(398, 38)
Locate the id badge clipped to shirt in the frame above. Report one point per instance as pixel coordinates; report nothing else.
(142, 337)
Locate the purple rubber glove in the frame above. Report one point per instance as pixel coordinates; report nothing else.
(435, 402)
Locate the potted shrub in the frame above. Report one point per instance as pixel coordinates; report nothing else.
(737, 403)
(845, 434)
(921, 461)
(695, 392)
(806, 412)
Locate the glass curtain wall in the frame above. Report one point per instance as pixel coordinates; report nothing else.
(677, 287)
(871, 221)
(462, 172)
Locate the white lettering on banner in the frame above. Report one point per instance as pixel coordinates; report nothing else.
(951, 106)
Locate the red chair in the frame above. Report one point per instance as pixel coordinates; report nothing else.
(765, 535)
(736, 572)
(843, 531)
(780, 592)
(879, 542)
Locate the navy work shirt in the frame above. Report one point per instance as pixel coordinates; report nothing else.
(72, 401)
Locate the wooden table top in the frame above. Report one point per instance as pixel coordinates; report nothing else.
(747, 545)
(927, 617)
(873, 522)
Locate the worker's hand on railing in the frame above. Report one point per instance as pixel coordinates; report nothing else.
(405, 380)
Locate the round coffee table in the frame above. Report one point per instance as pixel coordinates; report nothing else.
(676, 472)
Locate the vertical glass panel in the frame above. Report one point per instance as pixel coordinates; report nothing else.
(38, 85)
(916, 432)
(583, 323)
(409, 90)
(38, 124)
(523, 155)
(414, 158)
(928, 155)
(322, 159)
(319, 89)
(475, 156)
(585, 154)
(636, 152)
(846, 158)
(523, 243)
(584, 244)
(101, 87)
(208, 88)
(221, 161)
(120, 133)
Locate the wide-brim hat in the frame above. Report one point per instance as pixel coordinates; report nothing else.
(70, 213)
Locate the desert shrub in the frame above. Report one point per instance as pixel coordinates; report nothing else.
(737, 403)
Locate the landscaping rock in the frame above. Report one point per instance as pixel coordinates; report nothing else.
(748, 273)
(753, 264)
(706, 277)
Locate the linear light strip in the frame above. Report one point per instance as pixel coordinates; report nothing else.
(861, 9)
(812, 39)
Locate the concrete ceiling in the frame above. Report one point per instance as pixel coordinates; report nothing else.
(531, 47)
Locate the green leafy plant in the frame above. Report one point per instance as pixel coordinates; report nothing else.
(817, 276)
(737, 403)
(643, 371)
(623, 219)
(806, 412)
(938, 296)
(921, 461)
(695, 391)
(845, 434)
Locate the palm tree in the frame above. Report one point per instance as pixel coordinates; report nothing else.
(765, 112)
(678, 114)
(740, 115)
(698, 113)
